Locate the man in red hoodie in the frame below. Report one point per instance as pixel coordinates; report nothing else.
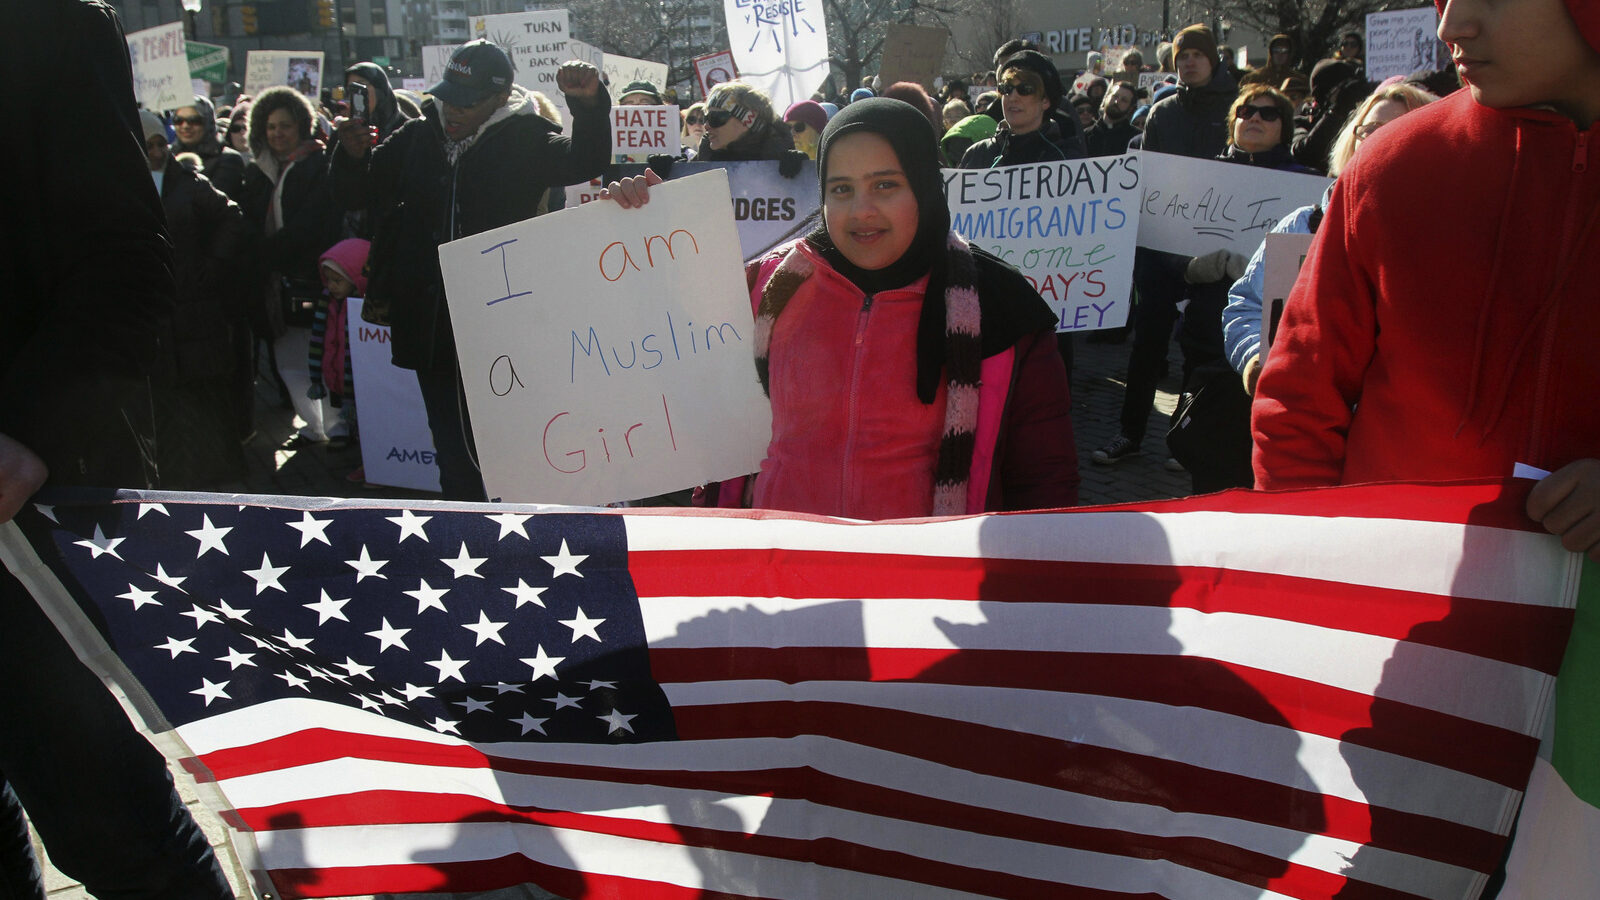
(1446, 324)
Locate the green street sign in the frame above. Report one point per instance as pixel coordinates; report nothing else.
(208, 62)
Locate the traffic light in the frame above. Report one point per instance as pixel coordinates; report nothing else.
(325, 14)
(247, 18)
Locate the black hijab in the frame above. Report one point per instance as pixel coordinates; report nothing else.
(917, 147)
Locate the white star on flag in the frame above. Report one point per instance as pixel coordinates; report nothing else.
(618, 721)
(293, 680)
(238, 615)
(448, 668)
(296, 642)
(353, 668)
(237, 658)
(365, 565)
(503, 688)
(49, 512)
(212, 691)
(543, 664)
(428, 597)
(441, 726)
(562, 701)
(368, 702)
(389, 636)
(175, 646)
(511, 523)
(486, 630)
(413, 692)
(529, 723)
(410, 525)
(101, 544)
(312, 529)
(526, 594)
(564, 562)
(175, 581)
(267, 576)
(139, 597)
(328, 608)
(473, 704)
(465, 566)
(595, 685)
(152, 507)
(210, 537)
(201, 616)
(582, 626)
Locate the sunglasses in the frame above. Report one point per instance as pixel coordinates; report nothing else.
(697, 120)
(188, 120)
(799, 127)
(1023, 88)
(718, 118)
(1267, 113)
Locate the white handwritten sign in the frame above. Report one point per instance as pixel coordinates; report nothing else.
(434, 58)
(396, 445)
(1402, 41)
(1195, 206)
(1281, 260)
(160, 67)
(607, 353)
(416, 85)
(537, 45)
(768, 209)
(781, 46)
(639, 131)
(622, 71)
(299, 69)
(1149, 82)
(713, 69)
(1069, 227)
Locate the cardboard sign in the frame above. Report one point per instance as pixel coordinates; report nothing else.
(299, 69)
(207, 62)
(768, 209)
(160, 67)
(713, 69)
(396, 444)
(1069, 227)
(537, 45)
(781, 48)
(1402, 41)
(913, 53)
(434, 58)
(608, 353)
(1281, 260)
(624, 70)
(639, 131)
(1195, 206)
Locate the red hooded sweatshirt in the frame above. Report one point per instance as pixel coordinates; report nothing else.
(1448, 321)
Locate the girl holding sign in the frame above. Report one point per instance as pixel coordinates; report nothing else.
(910, 374)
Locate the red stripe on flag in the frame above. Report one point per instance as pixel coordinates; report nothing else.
(1496, 754)
(1520, 634)
(1225, 861)
(478, 875)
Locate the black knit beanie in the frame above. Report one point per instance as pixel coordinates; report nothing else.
(1040, 65)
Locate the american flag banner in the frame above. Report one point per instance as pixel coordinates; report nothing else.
(1308, 694)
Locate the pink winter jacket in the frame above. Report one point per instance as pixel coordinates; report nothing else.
(851, 438)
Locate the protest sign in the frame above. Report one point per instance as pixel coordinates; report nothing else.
(1195, 206)
(1402, 41)
(160, 67)
(419, 85)
(608, 353)
(713, 69)
(207, 62)
(299, 69)
(537, 45)
(396, 445)
(1281, 262)
(1149, 81)
(1069, 227)
(624, 70)
(638, 132)
(585, 52)
(781, 47)
(913, 53)
(768, 209)
(434, 58)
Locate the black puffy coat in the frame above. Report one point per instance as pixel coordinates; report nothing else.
(408, 181)
(208, 237)
(1193, 121)
(1107, 139)
(1045, 144)
(310, 219)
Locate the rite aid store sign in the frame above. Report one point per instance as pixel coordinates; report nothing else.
(1075, 40)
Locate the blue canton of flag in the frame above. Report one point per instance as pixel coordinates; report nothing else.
(489, 627)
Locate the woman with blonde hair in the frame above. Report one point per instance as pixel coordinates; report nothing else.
(1241, 321)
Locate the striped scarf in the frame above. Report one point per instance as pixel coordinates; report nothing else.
(963, 360)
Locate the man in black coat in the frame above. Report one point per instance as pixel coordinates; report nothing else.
(88, 285)
(1191, 122)
(480, 157)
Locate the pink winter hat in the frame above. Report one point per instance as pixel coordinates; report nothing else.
(349, 258)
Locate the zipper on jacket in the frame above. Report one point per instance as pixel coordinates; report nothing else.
(851, 409)
(1580, 156)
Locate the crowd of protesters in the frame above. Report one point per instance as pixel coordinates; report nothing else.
(910, 373)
